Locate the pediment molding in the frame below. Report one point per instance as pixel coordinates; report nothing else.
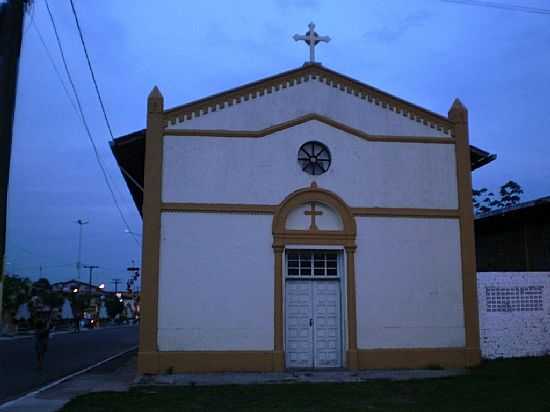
(292, 78)
(304, 119)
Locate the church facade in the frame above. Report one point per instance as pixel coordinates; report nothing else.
(306, 220)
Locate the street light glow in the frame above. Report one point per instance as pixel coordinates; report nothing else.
(75, 290)
(102, 286)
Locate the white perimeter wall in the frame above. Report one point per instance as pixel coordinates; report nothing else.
(215, 282)
(265, 170)
(510, 332)
(409, 283)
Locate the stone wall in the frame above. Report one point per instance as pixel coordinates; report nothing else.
(514, 313)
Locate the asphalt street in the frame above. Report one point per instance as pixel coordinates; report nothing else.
(67, 353)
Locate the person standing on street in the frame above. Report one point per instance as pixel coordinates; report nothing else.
(42, 335)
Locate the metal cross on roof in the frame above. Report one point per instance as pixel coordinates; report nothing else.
(312, 39)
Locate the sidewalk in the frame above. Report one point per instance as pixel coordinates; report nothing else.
(313, 376)
(116, 375)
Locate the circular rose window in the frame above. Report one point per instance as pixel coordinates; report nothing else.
(314, 158)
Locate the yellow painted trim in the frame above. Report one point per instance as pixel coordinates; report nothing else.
(278, 361)
(303, 119)
(413, 358)
(208, 361)
(458, 114)
(151, 233)
(266, 361)
(352, 361)
(253, 209)
(405, 212)
(267, 209)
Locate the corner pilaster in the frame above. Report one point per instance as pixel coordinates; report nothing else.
(278, 356)
(458, 114)
(148, 349)
(351, 355)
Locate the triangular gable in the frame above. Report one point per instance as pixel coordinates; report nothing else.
(308, 72)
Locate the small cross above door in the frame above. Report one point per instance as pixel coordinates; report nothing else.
(313, 213)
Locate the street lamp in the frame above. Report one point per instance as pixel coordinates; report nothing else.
(80, 222)
(75, 290)
(102, 286)
(91, 267)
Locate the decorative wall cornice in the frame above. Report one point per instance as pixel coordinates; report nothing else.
(309, 72)
(304, 119)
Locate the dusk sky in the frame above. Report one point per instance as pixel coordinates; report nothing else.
(425, 51)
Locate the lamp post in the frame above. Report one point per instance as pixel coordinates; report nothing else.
(91, 268)
(80, 222)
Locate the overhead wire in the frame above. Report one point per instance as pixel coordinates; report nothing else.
(91, 70)
(502, 6)
(86, 126)
(96, 86)
(52, 61)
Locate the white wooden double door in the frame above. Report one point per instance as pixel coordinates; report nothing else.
(313, 324)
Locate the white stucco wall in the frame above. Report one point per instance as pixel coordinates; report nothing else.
(265, 170)
(409, 283)
(305, 98)
(518, 325)
(215, 282)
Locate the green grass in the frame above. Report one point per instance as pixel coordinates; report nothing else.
(502, 385)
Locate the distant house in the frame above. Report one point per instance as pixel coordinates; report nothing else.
(514, 239)
(71, 285)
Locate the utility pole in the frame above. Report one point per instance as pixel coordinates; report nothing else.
(12, 14)
(91, 267)
(116, 282)
(81, 222)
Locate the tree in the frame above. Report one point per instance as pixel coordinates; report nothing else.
(43, 290)
(114, 306)
(16, 292)
(510, 193)
(79, 302)
(485, 201)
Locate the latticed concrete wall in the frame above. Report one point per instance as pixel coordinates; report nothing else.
(514, 313)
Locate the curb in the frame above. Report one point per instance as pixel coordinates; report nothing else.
(5, 338)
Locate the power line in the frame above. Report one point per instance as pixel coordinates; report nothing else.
(501, 6)
(80, 34)
(50, 57)
(86, 127)
(96, 86)
(91, 70)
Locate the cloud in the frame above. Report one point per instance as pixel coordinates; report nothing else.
(299, 4)
(390, 34)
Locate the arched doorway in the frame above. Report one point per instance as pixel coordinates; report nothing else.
(314, 247)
